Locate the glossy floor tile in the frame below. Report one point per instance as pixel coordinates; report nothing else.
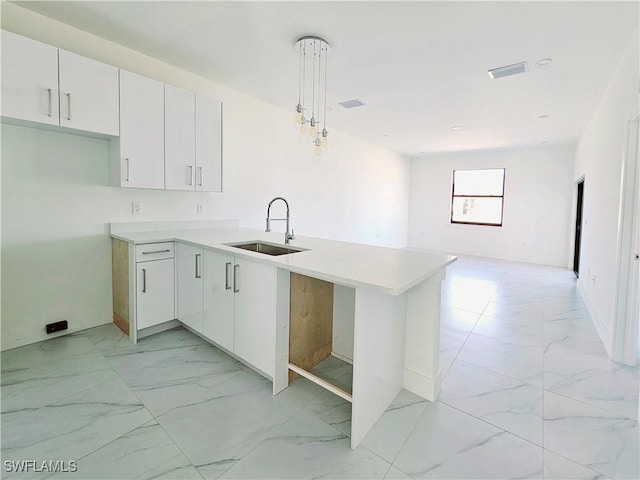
(527, 392)
(600, 440)
(307, 446)
(504, 402)
(447, 443)
(146, 452)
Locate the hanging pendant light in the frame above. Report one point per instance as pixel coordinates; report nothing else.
(313, 53)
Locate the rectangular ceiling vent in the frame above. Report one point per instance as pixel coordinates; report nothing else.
(352, 103)
(509, 70)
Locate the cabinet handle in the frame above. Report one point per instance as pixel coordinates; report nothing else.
(156, 251)
(201, 175)
(190, 174)
(127, 170)
(198, 274)
(50, 114)
(144, 280)
(227, 272)
(236, 270)
(68, 106)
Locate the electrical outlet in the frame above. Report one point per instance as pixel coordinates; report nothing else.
(200, 208)
(56, 326)
(136, 208)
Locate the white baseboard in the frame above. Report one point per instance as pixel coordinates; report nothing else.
(603, 332)
(427, 388)
(145, 332)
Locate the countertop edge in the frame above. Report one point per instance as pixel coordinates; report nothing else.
(168, 236)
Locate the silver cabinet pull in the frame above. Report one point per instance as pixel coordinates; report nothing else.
(227, 274)
(156, 251)
(68, 106)
(144, 280)
(236, 271)
(198, 273)
(190, 174)
(50, 114)
(126, 179)
(201, 174)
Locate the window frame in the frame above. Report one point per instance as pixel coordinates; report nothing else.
(453, 196)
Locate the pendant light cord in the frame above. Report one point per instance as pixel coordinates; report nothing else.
(300, 76)
(326, 65)
(313, 83)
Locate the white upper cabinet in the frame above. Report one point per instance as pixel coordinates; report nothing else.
(193, 141)
(208, 144)
(180, 138)
(88, 94)
(162, 137)
(43, 84)
(137, 156)
(29, 79)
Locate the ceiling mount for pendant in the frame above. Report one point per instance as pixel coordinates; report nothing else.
(305, 41)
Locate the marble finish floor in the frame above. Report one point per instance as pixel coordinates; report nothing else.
(527, 392)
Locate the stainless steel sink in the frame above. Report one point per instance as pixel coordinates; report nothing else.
(266, 248)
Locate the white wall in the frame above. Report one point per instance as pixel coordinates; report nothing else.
(599, 157)
(537, 205)
(56, 203)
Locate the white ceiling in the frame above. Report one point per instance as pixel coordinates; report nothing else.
(420, 67)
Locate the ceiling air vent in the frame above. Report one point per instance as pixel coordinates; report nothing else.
(352, 103)
(509, 70)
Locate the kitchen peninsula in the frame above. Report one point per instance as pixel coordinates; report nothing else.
(375, 307)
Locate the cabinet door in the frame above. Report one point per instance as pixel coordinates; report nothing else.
(255, 314)
(141, 141)
(29, 79)
(208, 144)
(218, 299)
(88, 94)
(189, 285)
(154, 293)
(179, 138)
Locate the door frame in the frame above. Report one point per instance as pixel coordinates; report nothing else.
(577, 232)
(624, 342)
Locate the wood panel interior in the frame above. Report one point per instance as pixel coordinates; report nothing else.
(120, 279)
(310, 322)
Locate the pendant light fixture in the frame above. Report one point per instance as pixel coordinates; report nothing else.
(313, 53)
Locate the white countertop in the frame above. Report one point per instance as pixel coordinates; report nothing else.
(390, 270)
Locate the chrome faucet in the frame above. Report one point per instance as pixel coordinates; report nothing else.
(287, 236)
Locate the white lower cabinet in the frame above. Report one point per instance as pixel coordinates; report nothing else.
(229, 300)
(240, 308)
(190, 285)
(154, 288)
(255, 314)
(219, 310)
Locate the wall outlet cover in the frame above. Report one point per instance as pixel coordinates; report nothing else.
(56, 326)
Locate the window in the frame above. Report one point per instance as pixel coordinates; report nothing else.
(477, 197)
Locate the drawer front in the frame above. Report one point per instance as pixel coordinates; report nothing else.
(154, 251)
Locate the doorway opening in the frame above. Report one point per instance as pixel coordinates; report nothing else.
(578, 232)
